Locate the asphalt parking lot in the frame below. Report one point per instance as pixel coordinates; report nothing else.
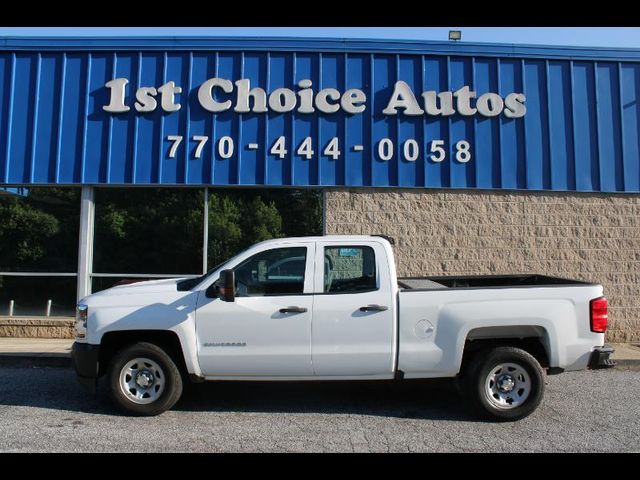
(45, 410)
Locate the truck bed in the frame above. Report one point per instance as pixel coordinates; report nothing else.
(484, 281)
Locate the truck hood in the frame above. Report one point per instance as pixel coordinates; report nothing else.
(141, 288)
(155, 304)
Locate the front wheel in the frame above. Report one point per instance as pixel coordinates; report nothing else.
(505, 383)
(144, 380)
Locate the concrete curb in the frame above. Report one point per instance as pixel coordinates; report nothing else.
(627, 363)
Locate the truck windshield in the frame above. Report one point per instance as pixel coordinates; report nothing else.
(189, 283)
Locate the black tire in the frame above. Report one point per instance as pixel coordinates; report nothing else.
(172, 384)
(478, 390)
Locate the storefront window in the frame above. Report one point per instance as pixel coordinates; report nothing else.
(39, 229)
(148, 230)
(240, 218)
(38, 250)
(145, 232)
(31, 295)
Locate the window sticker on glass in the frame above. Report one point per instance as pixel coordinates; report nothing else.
(349, 252)
(262, 270)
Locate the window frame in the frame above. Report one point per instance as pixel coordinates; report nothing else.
(235, 261)
(305, 275)
(96, 241)
(10, 311)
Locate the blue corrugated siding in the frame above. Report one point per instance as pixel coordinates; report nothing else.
(580, 132)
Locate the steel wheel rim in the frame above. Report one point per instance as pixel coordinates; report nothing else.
(142, 380)
(508, 386)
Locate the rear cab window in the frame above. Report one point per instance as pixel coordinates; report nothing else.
(349, 269)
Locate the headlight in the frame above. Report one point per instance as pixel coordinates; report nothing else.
(82, 312)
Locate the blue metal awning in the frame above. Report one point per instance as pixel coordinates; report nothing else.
(304, 127)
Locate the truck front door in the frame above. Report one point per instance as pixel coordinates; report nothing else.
(266, 331)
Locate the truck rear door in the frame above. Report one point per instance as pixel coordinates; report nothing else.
(353, 311)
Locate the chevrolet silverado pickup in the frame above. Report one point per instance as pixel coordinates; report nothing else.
(332, 308)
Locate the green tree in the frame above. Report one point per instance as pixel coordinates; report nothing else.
(261, 221)
(151, 230)
(39, 230)
(238, 219)
(62, 247)
(24, 233)
(225, 233)
(303, 211)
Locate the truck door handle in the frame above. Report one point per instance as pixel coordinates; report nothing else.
(373, 308)
(293, 310)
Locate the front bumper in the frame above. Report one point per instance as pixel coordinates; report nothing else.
(600, 357)
(85, 359)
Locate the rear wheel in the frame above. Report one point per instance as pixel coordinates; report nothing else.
(505, 383)
(144, 380)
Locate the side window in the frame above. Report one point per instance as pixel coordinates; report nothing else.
(279, 271)
(349, 269)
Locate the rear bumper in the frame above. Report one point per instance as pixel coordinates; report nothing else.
(600, 357)
(85, 359)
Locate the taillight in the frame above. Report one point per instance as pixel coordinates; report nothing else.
(598, 313)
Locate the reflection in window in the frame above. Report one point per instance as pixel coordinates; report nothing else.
(148, 230)
(349, 269)
(31, 295)
(239, 218)
(39, 233)
(39, 229)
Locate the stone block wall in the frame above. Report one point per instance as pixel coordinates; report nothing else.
(593, 237)
(37, 327)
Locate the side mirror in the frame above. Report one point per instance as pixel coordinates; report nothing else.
(227, 288)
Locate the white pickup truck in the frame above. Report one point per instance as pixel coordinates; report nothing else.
(332, 308)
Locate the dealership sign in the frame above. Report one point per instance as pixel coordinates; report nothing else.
(239, 96)
(218, 95)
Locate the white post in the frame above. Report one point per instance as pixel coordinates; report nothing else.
(85, 242)
(11, 308)
(49, 308)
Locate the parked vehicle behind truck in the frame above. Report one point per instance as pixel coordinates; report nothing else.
(332, 308)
